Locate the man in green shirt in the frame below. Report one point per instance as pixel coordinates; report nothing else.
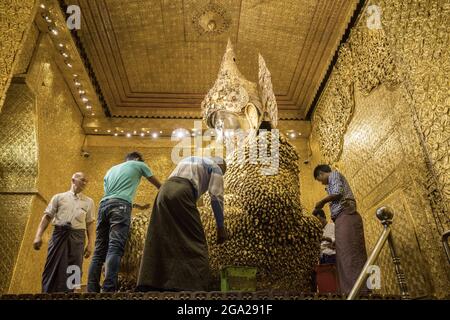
(114, 216)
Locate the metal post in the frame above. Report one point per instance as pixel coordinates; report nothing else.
(445, 237)
(401, 279)
(385, 215)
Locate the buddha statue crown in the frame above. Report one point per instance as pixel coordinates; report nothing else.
(233, 93)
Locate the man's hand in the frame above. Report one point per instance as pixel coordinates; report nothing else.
(144, 207)
(222, 235)
(319, 205)
(37, 243)
(88, 251)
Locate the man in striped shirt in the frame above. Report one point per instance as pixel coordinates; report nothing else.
(349, 232)
(175, 253)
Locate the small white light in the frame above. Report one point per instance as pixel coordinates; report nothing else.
(109, 131)
(148, 131)
(128, 135)
(160, 132)
(75, 75)
(95, 130)
(142, 134)
(81, 91)
(134, 132)
(54, 31)
(77, 83)
(62, 46)
(121, 131)
(89, 107)
(69, 64)
(116, 134)
(42, 6)
(84, 99)
(154, 135)
(48, 19)
(92, 114)
(65, 55)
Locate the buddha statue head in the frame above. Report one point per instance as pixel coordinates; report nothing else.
(237, 103)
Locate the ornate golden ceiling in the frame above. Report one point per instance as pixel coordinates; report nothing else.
(158, 58)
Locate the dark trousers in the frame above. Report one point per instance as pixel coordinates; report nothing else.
(113, 226)
(351, 252)
(65, 249)
(175, 253)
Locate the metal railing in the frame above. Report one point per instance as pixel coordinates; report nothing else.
(445, 237)
(385, 215)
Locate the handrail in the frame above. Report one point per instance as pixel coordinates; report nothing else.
(445, 237)
(385, 215)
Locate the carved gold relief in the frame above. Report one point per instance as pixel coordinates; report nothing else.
(15, 18)
(395, 142)
(14, 212)
(18, 152)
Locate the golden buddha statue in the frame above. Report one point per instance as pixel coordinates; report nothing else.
(263, 215)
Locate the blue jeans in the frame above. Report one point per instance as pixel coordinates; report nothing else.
(113, 226)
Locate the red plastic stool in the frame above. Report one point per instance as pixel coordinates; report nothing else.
(326, 278)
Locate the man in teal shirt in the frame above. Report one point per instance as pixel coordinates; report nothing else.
(114, 216)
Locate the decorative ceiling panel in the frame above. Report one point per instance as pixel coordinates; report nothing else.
(158, 58)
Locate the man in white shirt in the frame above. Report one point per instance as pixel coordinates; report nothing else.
(327, 246)
(176, 253)
(72, 215)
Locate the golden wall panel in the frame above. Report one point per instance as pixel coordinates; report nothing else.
(30, 263)
(27, 50)
(14, 213)
(60, 136)
(18, 154)
(418, 34)
(15, 18)
(18, 174)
